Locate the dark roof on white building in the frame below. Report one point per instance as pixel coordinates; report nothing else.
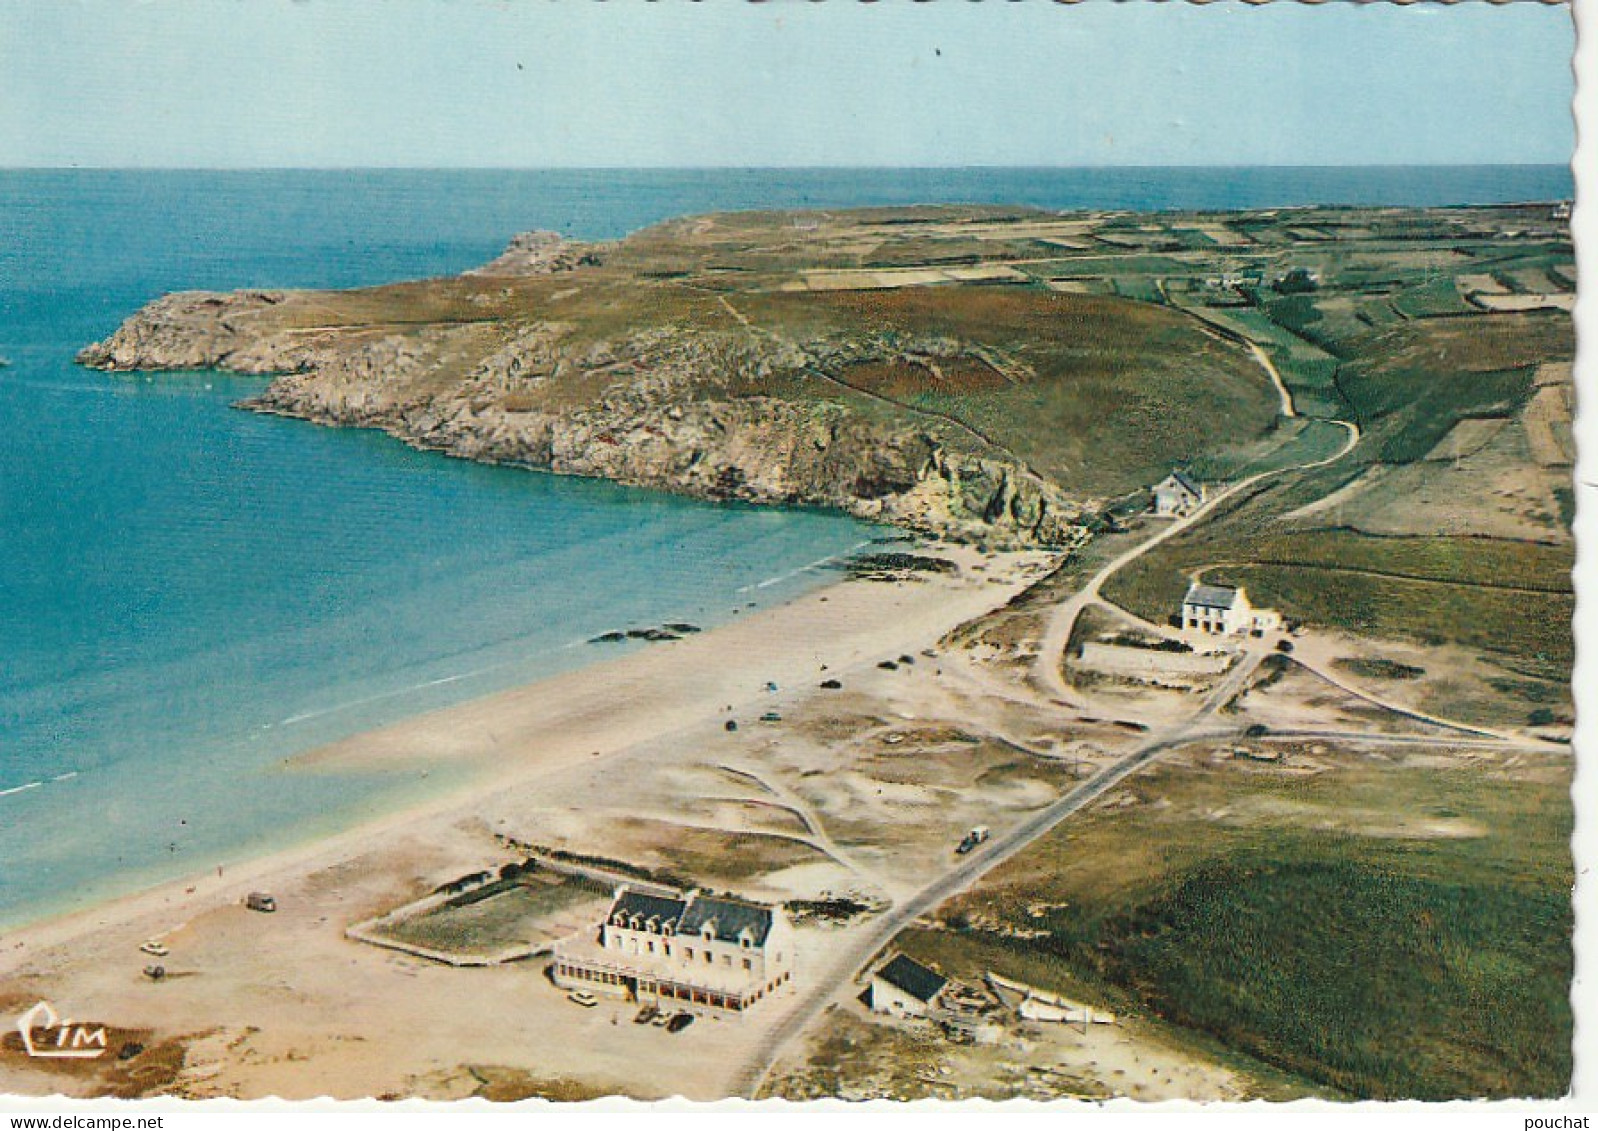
(1211, 596)
(728, 917)
(647, 906)
(1185, 483)
(912, 977)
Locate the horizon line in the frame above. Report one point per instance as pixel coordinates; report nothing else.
(89, 168)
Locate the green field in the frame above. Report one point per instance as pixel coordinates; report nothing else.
(1318, 926)
(1414, 383)
(1435, 591)
(500, 915)
(1298, 441)
(1116, 391)
(1431, 299)
(1309, 372)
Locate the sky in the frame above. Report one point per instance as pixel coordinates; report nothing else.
(575, 83)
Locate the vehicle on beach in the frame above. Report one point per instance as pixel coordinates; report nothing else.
(155, 947)
(583, 998)
(973, 838)
(155, 973)
(771, 717)
(645, 1015)
(260, 901)
(680, 1022)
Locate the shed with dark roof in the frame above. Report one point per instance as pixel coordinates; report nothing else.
(904, 986)
(1177, 494)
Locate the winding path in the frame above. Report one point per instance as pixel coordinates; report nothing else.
(835, 982)
(1063, 621)
(1276, 378)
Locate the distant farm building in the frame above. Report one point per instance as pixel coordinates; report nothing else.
(905, 988)
(1297, 280)
(695, 949)
(1177, 495)
(1219, 610)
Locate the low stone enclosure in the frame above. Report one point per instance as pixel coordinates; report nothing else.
(1144, 663)
(490, 918)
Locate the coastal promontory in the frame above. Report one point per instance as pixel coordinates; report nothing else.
(902, 365)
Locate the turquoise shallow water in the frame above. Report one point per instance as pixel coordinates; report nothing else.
(189, 593)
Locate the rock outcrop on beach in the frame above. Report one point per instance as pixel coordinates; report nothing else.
(672, 360)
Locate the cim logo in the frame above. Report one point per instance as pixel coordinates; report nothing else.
(46, 1034)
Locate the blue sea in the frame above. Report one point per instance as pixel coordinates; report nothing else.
(189, 593)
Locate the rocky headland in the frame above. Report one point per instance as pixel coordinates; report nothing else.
(695, 357)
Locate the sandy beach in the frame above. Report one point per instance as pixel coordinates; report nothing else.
(294, 1008)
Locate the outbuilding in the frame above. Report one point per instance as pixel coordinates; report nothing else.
(1177, 495)
(905, 988)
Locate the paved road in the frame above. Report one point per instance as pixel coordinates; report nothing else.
(1377, 738)
(837, 979)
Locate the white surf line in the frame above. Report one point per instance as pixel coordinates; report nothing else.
(792, 573)
(308, 715)
(41, 783)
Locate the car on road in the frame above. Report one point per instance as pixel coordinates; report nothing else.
(583, 998)
(973, 838)
(260, 901)
(680, 1022)
(155, 947)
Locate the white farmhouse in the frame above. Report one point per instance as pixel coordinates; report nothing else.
(1220, 610)
(905, 988)
(658, 946)
(1177, 495)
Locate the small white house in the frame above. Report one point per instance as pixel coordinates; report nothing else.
(905, 988)
(1177, 495)
(1220, 610)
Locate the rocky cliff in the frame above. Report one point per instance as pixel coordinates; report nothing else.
(438, 387)
(895, 364)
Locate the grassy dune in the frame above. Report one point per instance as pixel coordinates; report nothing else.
(1384, 931)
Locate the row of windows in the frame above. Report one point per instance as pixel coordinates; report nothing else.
(688, 953)
(708, 935)
(668, 989)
